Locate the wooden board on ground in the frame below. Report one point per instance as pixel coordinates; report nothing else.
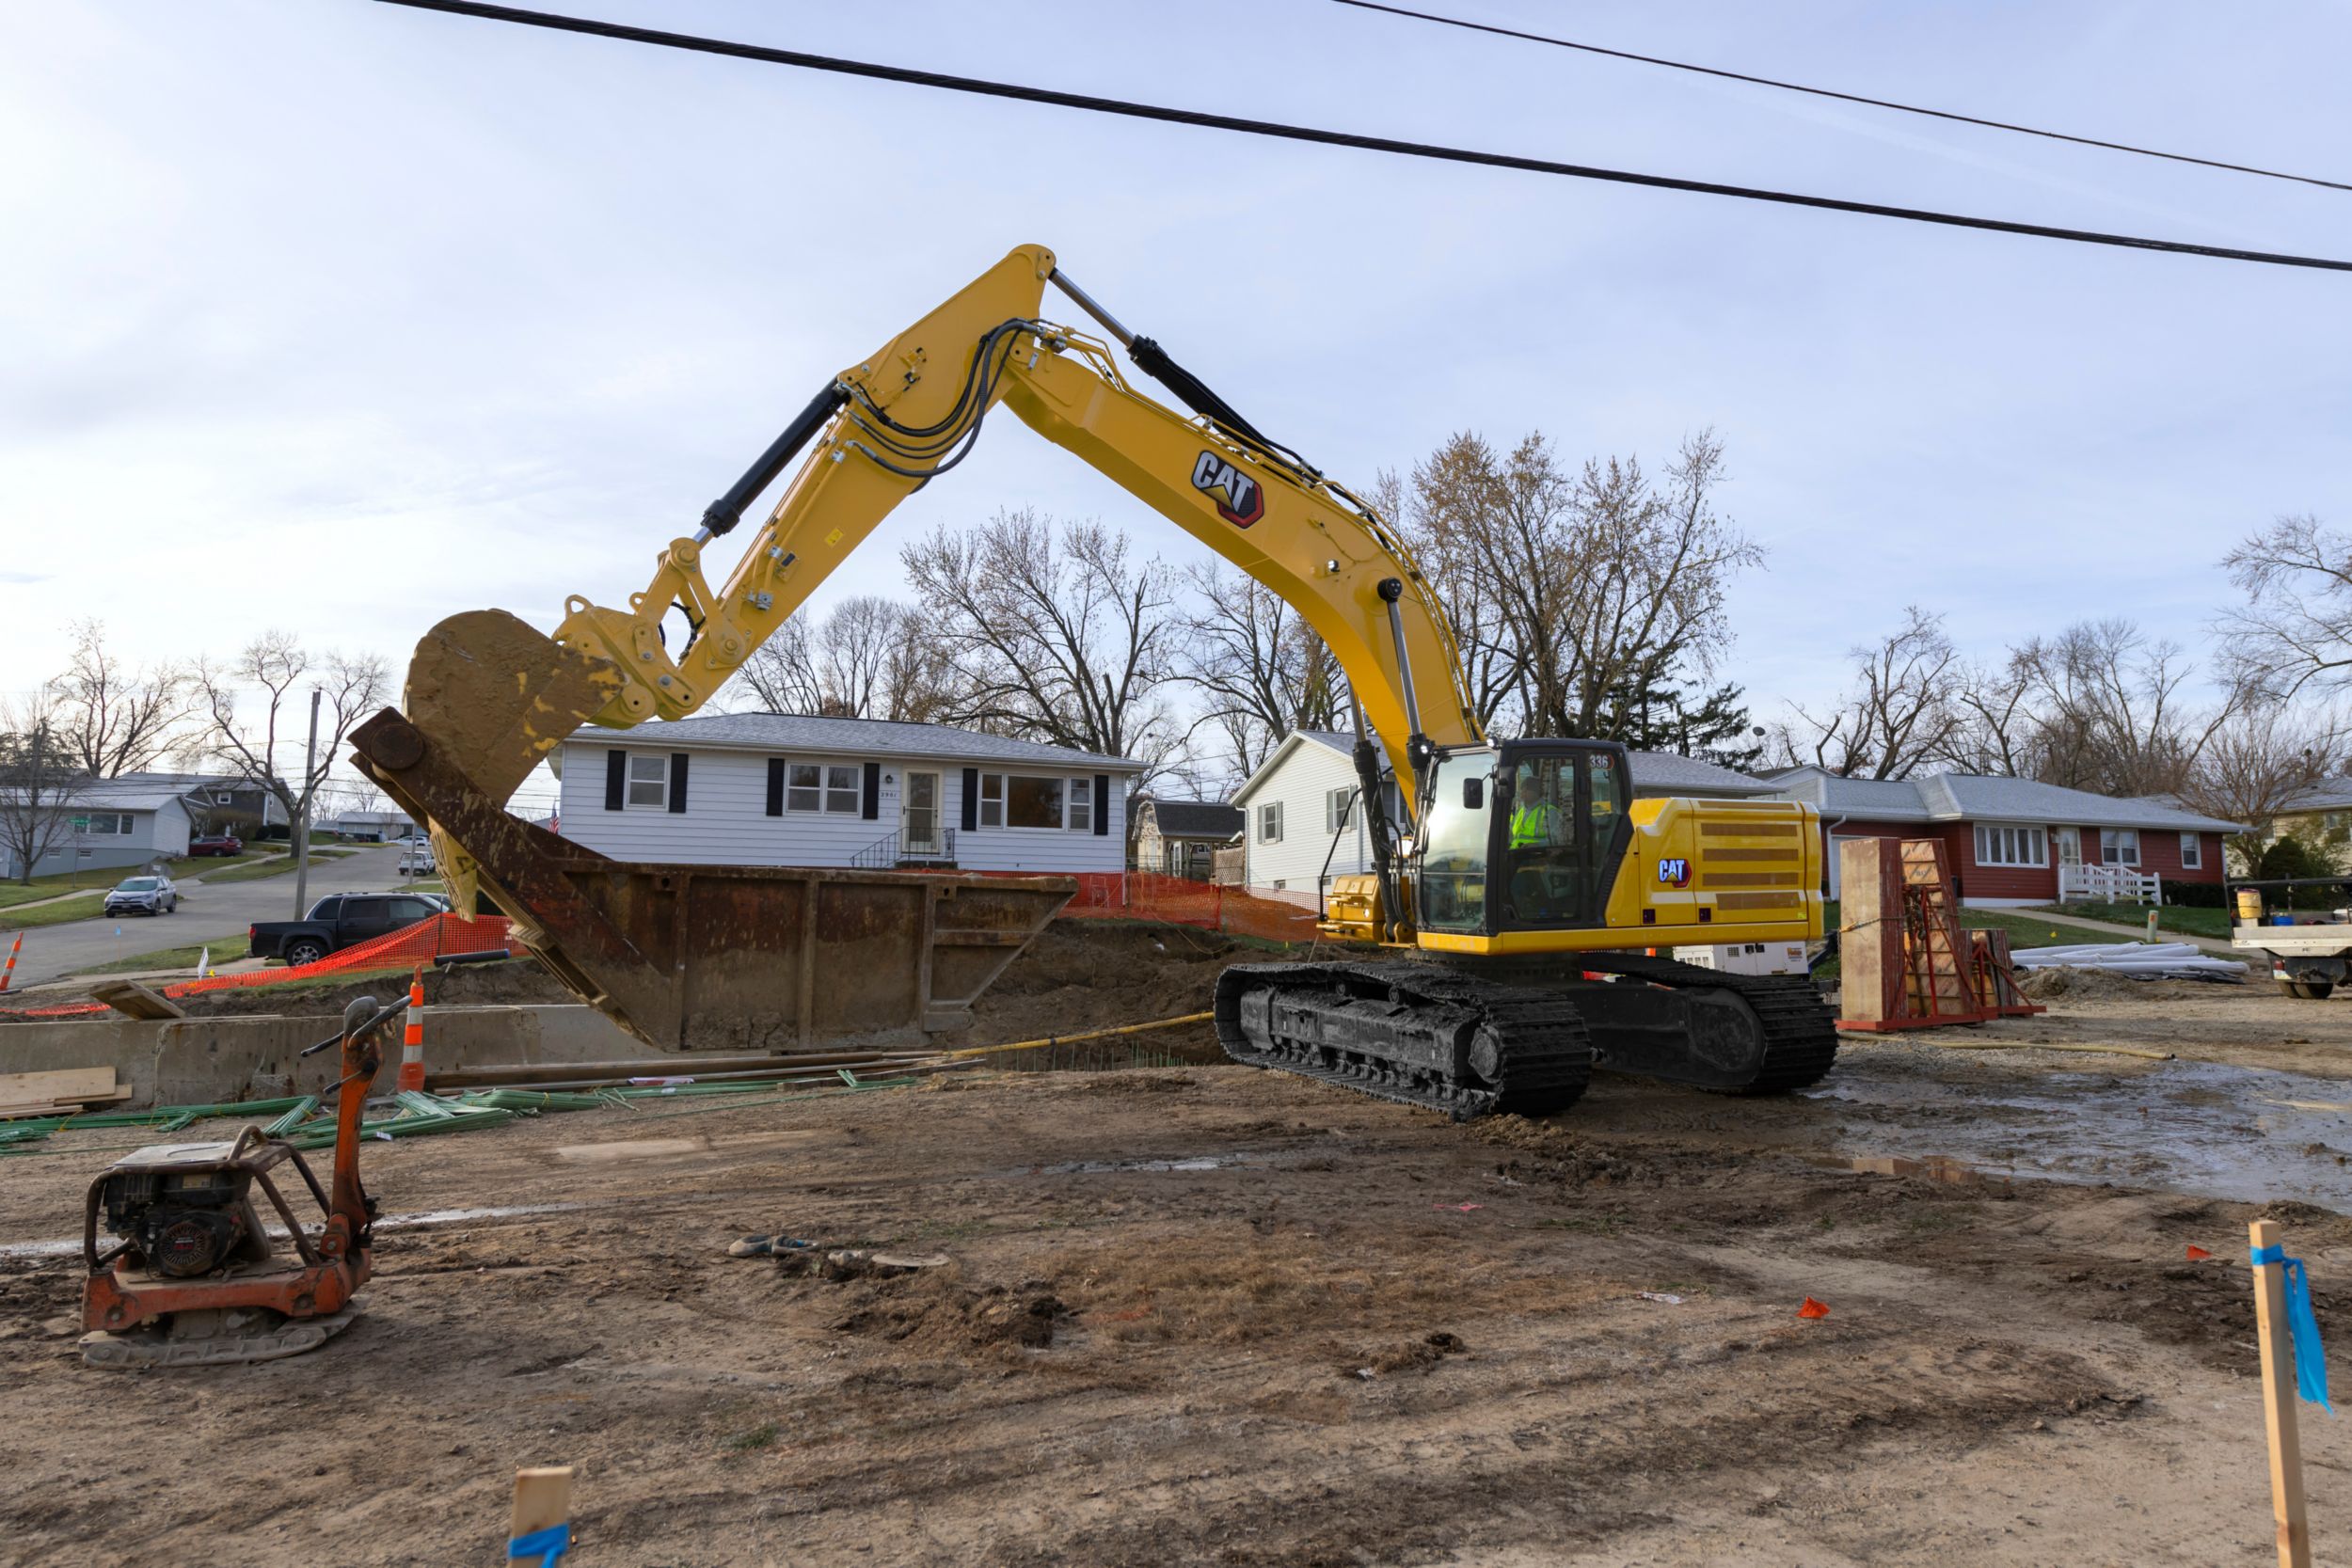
(60, 1084)
(133, 999)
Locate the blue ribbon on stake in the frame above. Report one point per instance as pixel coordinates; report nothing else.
(546, 1544)
(2311, 1361)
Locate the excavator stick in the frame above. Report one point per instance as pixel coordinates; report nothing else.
(723, 958)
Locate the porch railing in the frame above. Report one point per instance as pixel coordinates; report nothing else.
(2109, 885)
(890, 853)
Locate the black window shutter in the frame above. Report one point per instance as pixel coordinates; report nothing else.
(971, 798)
(615, 778)
(1101, 805)
(872, 807)
(677, 780)
(775, 786)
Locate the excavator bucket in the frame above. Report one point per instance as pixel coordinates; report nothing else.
(707, 957)
(497, 696)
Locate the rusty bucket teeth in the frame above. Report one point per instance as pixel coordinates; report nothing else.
(498, 696)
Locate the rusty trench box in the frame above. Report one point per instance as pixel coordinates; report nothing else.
(716, 957)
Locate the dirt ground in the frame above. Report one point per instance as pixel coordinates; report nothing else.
(1209, 1315)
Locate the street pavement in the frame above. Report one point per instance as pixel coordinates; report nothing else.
(215, 914)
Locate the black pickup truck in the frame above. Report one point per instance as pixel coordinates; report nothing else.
(338, 921)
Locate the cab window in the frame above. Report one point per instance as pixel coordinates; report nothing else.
(1453, 859)
(1541, 882)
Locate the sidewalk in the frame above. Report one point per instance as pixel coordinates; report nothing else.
(2207, 944)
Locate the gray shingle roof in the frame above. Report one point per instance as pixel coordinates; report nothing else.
(1975, 797)
(789, 732)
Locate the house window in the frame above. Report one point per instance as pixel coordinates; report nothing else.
(1033, 800)
(648, 779)
(1270, 822)
(108, 824)
(1337, 805)
(2118, 846)
(841, 789)
(2005, 845)
(2192, 852)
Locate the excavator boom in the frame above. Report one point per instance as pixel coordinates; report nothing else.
(489, 698)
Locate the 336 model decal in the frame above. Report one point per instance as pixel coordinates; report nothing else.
(1240, 500)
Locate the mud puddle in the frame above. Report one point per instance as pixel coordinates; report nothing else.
(1190, 1163)
(2204, 1129)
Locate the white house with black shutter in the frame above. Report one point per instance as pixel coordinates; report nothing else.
(782, 789)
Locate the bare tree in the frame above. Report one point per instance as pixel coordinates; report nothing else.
(117, 718)
(40, 780)
(2259, 764)
(270, 671)
(1260, 668)
(871, 658)
(1053, 634)
(1900, 711)
(2000, 730)
(1572, 588)
(2296, 627)
(2115, 715)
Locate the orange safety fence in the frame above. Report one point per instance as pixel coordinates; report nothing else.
(437, 937)
(1268, 914)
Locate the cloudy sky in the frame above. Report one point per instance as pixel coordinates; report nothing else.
(341, 317)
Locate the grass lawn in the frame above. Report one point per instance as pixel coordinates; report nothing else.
(80, 907)
(56, 882)
(2172, 917)
(174, 958)
(254, 872)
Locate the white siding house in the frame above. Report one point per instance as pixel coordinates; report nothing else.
(113, 824)
(780, 789)
(1295, 833)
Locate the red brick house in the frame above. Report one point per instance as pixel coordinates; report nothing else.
(2014, 841)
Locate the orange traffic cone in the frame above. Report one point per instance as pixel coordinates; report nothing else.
(412, 1036)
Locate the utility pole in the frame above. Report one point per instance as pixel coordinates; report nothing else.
(302, 817)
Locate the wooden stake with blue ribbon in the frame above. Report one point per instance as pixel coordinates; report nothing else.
(541, 1532)
(2293, 1362)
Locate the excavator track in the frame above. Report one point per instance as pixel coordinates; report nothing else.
(1660, 1017)
(1410, 1032)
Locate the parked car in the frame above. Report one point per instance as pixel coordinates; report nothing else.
(417, 860)
(338, 921)
(150, 895)
(218, 843)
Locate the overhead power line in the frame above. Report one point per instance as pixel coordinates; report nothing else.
(1831, 92)
(1336, 138)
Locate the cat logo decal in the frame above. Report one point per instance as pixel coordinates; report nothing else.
(1240, 500)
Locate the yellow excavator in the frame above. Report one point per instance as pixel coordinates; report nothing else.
(1522, 890)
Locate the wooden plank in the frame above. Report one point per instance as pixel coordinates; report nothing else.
(543, 1499)
(133, 999)
(2286, 1444)
(73, 1083)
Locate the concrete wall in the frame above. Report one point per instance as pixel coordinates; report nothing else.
(205, 1061)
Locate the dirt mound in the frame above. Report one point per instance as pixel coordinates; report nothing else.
(1084, 975)
(517, 981)
(933, 1311)
(2044, 985)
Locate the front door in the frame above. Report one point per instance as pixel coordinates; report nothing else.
(918, 821)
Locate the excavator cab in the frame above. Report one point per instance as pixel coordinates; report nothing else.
(1525, 835)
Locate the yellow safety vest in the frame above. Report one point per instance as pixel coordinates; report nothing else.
(1531, 825)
